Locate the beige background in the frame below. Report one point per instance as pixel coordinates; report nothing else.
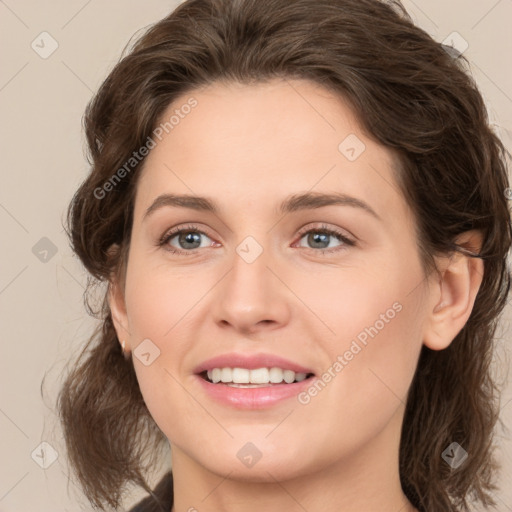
(42, 101)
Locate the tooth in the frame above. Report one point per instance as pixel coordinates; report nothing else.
(226, 375)
(276, 375)
(240, 376)
(289, 376)
(256, 377)
(259, 376)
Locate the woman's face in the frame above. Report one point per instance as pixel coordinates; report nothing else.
(309, 263)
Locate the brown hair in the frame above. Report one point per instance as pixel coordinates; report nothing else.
(411, 96)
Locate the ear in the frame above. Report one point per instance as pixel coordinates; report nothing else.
(117, 304)
(454, 292)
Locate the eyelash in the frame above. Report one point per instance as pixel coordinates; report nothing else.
(164, 240)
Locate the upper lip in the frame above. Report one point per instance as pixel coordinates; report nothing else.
(251, 362)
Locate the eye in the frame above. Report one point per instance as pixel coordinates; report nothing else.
(321, 238)
(188, 239)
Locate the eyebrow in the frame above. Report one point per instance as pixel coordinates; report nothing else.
(293, 203)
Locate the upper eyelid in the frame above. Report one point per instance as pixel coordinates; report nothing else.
(187, 227)
(324, 227)
(302, 230)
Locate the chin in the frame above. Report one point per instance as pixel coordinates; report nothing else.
(262, 472)
(258, 461)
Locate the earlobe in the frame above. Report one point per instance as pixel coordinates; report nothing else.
(453, 295)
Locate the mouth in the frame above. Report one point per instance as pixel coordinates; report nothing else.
(252, 381)
(253, 378)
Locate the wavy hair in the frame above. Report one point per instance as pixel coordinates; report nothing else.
(411, 95)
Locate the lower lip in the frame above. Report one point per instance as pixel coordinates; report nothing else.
(253, 398)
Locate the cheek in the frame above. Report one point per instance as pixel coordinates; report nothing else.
(374, 340)
(382, 354)
(156, 308)
(157, 300)
(371, 365)
(364, 385)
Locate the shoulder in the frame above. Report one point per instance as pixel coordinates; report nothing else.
(163, 491)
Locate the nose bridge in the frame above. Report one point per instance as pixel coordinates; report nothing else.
(251, 295)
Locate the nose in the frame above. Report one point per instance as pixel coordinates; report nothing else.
(252, 296)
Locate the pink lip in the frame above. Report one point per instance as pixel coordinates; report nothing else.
(251, 362)
(251, 398)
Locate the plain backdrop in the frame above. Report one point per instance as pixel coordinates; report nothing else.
(54, 56)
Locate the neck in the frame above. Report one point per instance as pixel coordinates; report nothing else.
(368, 479)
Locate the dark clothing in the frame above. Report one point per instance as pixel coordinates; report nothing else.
(164, 492)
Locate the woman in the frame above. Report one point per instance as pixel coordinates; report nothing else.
(299, 210)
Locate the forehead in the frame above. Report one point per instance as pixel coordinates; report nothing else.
(254, 142)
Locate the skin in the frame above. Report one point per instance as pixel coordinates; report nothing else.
(248, 148)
